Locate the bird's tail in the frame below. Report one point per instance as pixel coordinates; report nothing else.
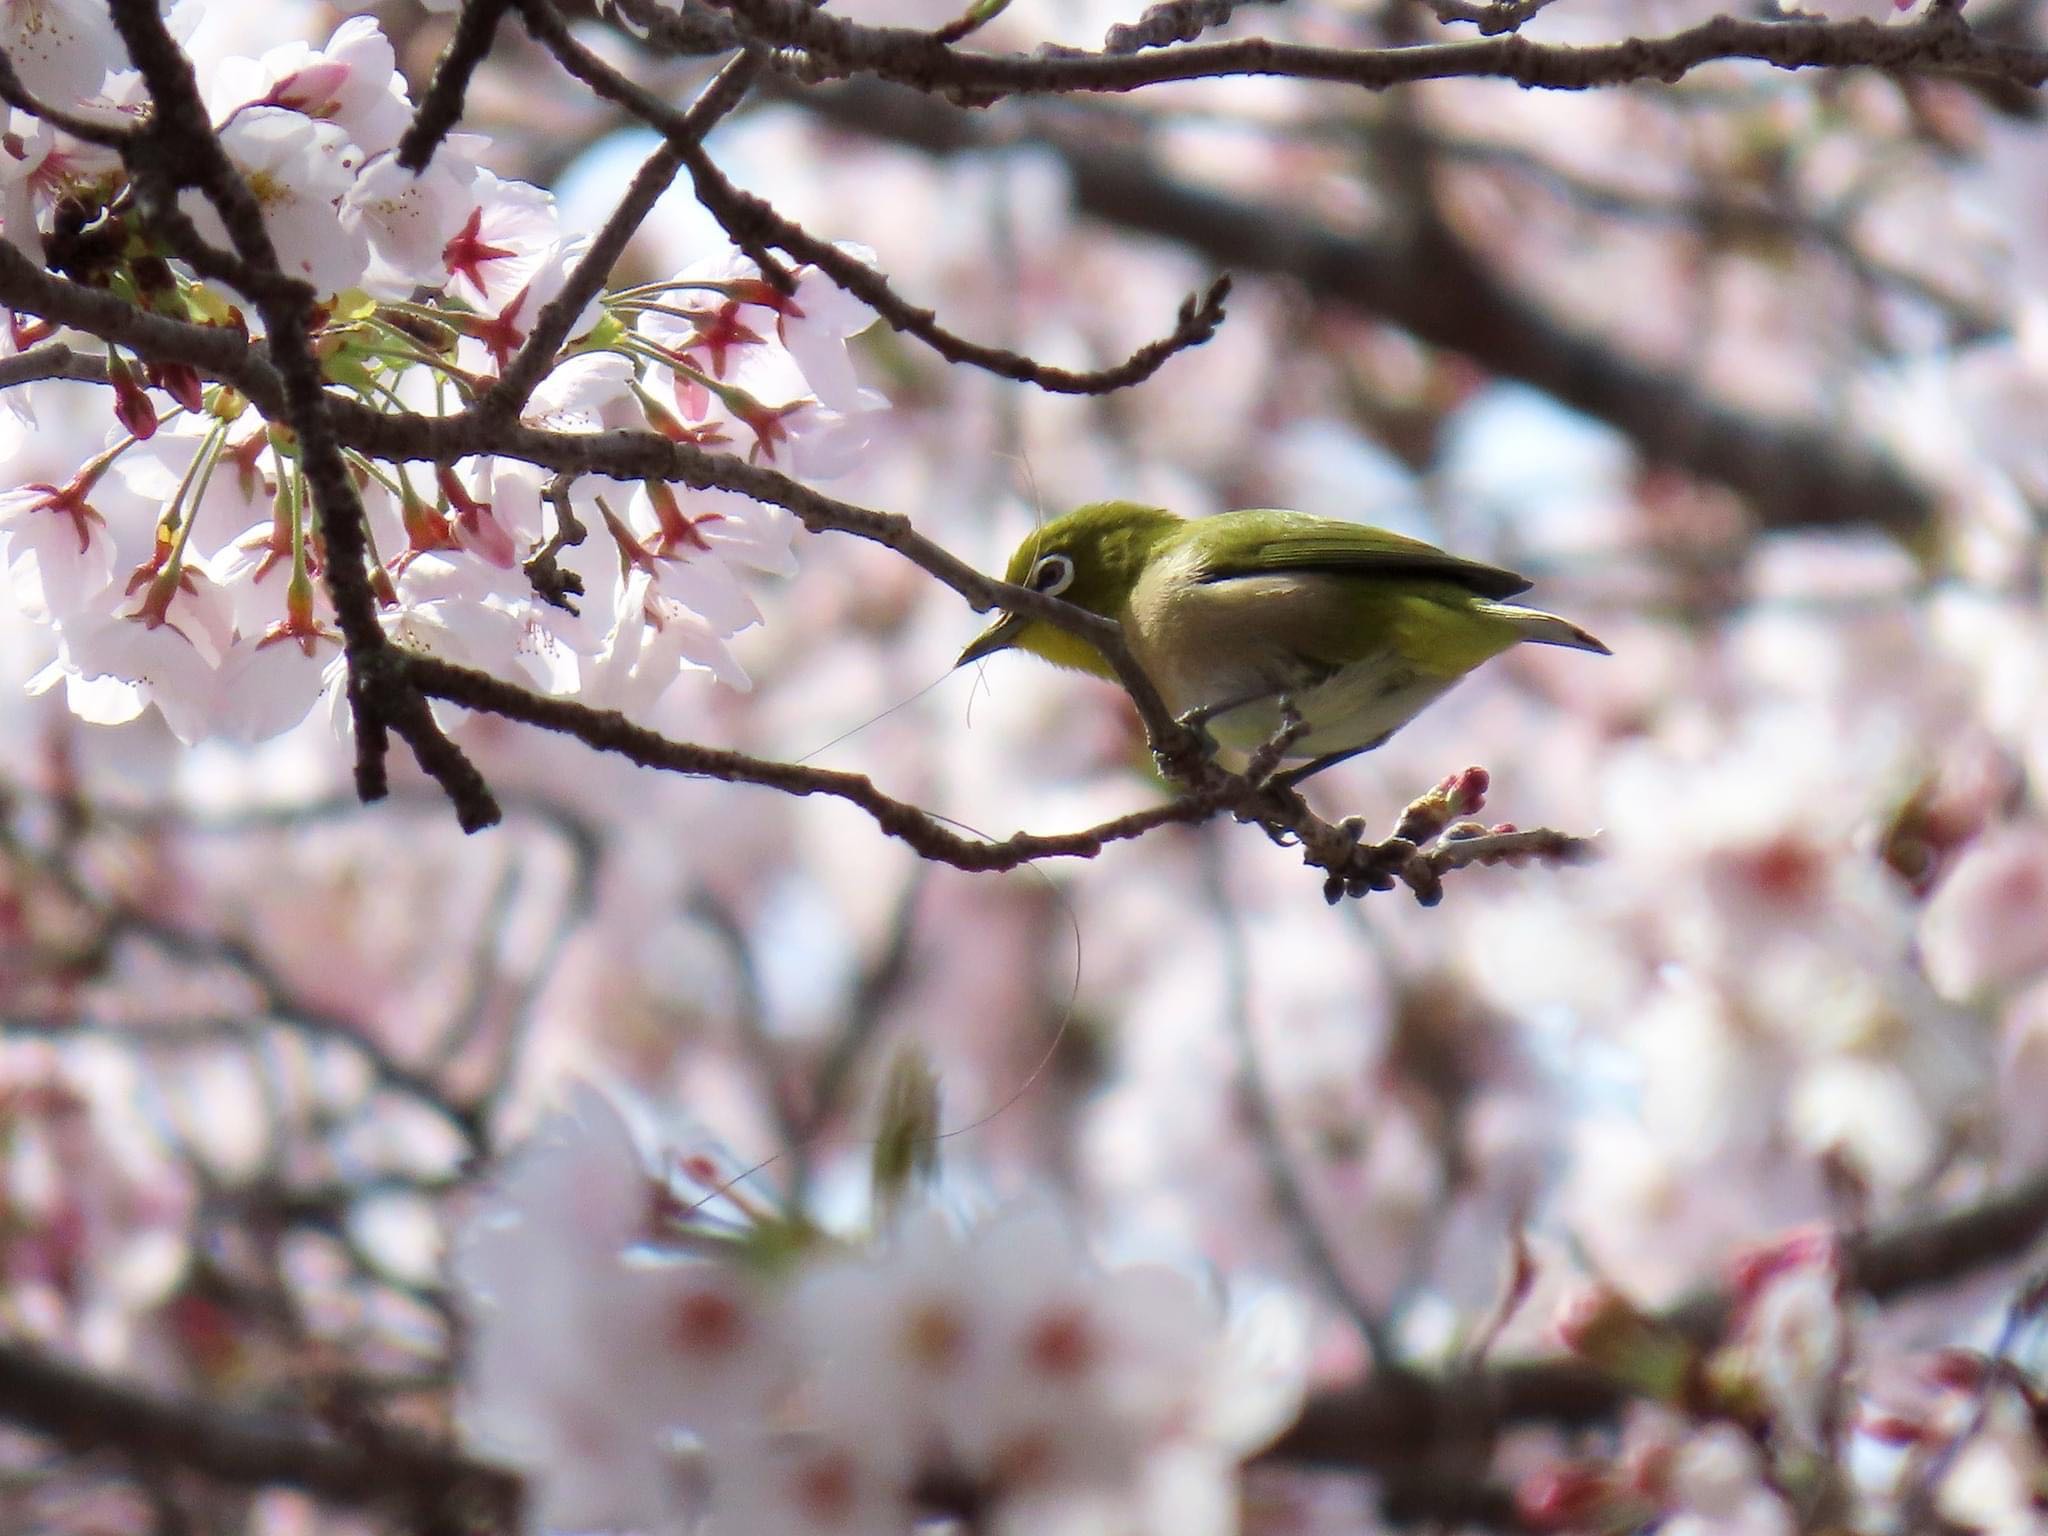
(1544, 628)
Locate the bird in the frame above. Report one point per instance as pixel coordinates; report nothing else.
(1267, 628)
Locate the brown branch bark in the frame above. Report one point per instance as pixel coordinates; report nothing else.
(178, 148)
(1940, 43)
(1791, 473)
(390, 685)
(756, 228)
(440, 106)
(610, 731)
(431, 1487)
(1400, 1420)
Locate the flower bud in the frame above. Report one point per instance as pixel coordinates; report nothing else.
(1611, 1332)
(906, 1143)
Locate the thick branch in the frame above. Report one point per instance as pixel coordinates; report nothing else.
(1942, 43)
(432, 1486)
(216, 351)
(1791, 473)
(1393, 1421)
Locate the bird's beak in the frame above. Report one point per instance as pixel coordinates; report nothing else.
(999, 636)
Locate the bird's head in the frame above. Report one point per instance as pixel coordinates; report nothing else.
(1091, 558)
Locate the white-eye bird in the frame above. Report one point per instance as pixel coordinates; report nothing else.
(1236, 616)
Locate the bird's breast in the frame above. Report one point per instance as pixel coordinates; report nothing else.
(1246, 641)
(1202, 643)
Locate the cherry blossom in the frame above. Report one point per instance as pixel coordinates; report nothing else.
(826, 1387)
(63, 49)
(661, 582)
(298, 169)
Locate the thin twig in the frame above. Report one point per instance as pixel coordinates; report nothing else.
(440, 105)
(750, 220)
(755, 227)
(1491, 17)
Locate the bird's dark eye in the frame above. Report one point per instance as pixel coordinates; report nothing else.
(1051, 575)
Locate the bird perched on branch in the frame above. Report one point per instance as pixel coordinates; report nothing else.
(1266, 626)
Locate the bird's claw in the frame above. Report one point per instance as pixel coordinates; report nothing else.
(1192, 751)
(1292, 728)
(1196, 723)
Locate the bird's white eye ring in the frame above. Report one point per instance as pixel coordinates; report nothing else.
(1052, 575)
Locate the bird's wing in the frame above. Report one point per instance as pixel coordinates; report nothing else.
(1281, 543)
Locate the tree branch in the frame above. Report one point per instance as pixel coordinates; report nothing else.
(754, 226)
(431, 1486)
(1492, 18)
(750, 219)
(609, 731)
(1172, 21)
(389, 686)
(177, 149)
(1404, 1425)
(1940, 43)
(1792, 474)
(440, 105)
(1395, 1421)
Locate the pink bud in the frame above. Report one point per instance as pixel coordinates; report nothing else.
(1892, 1428)
(312, 90)
(132, 407)
(1468, 791)
(1561, 1498)
(1756, 1269)
(181, 382)
(1958, 1370)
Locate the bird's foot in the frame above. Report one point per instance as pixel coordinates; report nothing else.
(1188, 755)
(1292, 728)
(1316, 765)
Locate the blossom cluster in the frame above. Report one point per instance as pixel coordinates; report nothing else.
(660, 1344)
(162, 529)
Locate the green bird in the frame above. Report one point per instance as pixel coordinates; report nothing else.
(1239, 617)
